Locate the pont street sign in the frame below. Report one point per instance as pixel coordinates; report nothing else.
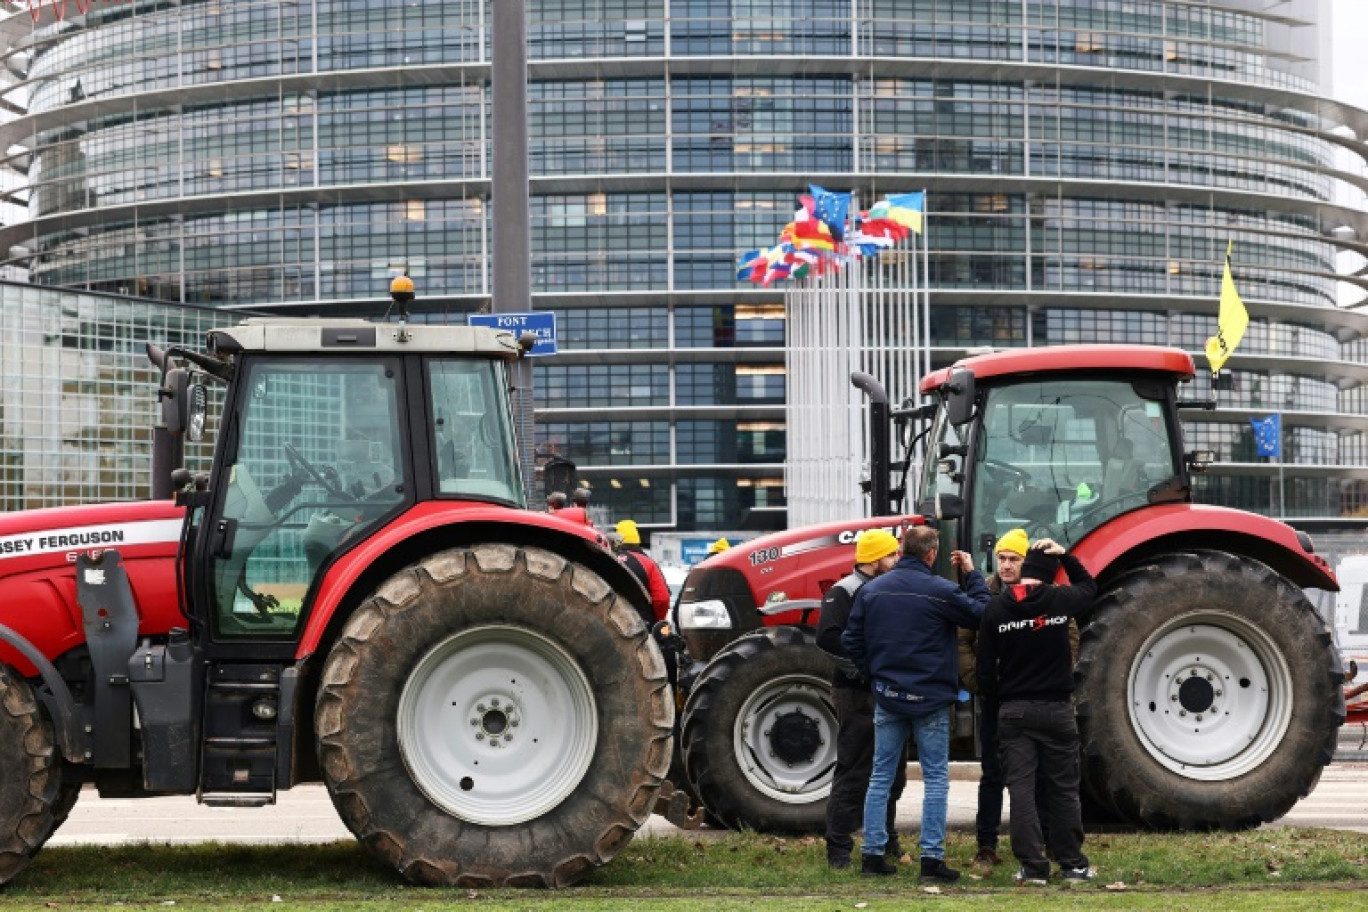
(541, 323)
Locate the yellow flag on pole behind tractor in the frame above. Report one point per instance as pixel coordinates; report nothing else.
(1232, 322)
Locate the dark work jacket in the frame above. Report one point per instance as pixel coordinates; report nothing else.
(831, 623)
(901, 634)
(1023, 642)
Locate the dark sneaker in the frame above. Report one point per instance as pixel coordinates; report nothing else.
(838, 861)
(1082, 874)
(1023, 879)
(877, 866)
(987, 858)
(894, 848)
(936, 869)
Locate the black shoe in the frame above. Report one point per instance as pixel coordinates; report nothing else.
(987, 858)
(893, 849)
(877, 866)
(838, 861)
(936, 869)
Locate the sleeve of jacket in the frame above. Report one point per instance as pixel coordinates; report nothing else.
(1077, 597)
(967, 602)
(966, 641)
(986, 658)
(659, 589)
(854, 639)
(832, 621)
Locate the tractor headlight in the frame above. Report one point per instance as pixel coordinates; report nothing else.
(706, 615)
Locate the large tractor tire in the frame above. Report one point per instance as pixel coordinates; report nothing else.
(759, 733)
(32, 778)
(494, 716)
(1209, 694)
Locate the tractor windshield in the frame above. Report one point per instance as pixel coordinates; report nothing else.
(1060, 457)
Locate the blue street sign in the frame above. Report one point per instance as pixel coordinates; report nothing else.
(693, 550)
(541, 323)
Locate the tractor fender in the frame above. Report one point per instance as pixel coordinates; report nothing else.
(1166, 528)
(435, 526)
(55, 695)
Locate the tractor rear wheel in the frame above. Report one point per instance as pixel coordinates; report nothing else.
(494, 716)
(1209, 694)
(759, 733)
(32, 780)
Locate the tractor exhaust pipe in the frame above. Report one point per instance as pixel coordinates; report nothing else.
(879, 430)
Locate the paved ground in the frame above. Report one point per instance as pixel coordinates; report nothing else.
(306, 814)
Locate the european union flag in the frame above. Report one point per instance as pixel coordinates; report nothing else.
(1268, 435)
(831, 210)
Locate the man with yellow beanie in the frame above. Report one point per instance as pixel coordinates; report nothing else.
(644, 568)
(876, 551)
(1008, 555)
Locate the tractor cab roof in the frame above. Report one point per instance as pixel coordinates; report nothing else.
(1064, 358)
(275, 334)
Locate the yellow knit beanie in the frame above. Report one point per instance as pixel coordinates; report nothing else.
(1015, 541)
(874, 544)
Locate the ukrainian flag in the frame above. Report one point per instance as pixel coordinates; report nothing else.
(907, 209)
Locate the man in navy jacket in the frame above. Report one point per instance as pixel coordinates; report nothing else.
(901, 636)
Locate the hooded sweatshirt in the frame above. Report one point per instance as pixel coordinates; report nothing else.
(1023, 642)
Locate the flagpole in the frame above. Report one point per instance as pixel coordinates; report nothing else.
(1282, 491)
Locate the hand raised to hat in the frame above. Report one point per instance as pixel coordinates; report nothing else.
(1048, 545)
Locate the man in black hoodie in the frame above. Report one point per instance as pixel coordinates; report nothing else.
(1024, 663)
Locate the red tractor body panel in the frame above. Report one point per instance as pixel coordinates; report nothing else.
(1021, 362)
(38, 551)
(421, 518)
(799, 565)
(1268, 540)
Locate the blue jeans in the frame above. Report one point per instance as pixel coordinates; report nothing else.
(891, 731)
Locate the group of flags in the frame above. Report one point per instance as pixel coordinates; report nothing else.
(822, 237)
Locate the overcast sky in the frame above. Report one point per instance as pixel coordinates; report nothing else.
(1351, 43)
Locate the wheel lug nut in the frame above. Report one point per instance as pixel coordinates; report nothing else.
(479, 736)
(1173, 698)
(475, 722)
(1182, 712)
(480, 707)
(515, 723)
(1199, 717)
(508, 737)
(494, 702)
(1218, 693)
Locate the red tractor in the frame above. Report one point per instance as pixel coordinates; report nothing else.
(352, 593)
(1208, 686)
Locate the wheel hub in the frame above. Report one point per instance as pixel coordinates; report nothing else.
(795, 737)
(1209, 695)
(785, 739)
(495, 719)
(497, 725)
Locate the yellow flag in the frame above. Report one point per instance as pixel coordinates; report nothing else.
(1232, 322)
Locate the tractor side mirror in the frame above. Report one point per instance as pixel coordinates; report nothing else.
(174, 395)
(959, 397)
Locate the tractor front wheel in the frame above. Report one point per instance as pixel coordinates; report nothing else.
(759, 733)
(31, 783)
(1209, 694)
(494, 716)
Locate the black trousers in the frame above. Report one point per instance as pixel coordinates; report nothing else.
(1042, 736)
(854, 762)
(992, 782)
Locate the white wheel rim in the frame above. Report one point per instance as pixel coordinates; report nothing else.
(1210, 695)
(497, 725)
(788, 771)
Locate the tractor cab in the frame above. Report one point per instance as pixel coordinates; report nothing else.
(1054, 441)
(330, 428)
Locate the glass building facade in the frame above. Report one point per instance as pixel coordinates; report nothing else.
(78, 397)
(1086, 163)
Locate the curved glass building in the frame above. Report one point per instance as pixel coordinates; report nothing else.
(1087, 162)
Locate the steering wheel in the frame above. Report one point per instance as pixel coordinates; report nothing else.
(297, 461)
(1004, 473)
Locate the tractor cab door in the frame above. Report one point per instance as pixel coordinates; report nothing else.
(1059, 457)
(311, 459)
